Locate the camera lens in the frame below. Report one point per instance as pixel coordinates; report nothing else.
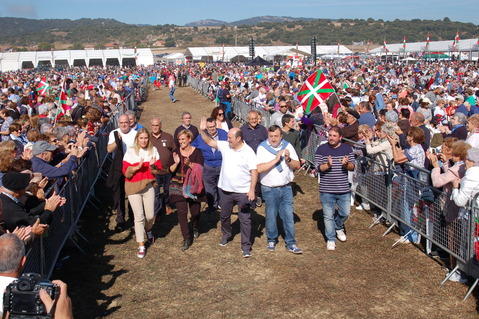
(24, 285)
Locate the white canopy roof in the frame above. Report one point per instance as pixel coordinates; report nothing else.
(434, 46)
(12, 61)
(216, 53)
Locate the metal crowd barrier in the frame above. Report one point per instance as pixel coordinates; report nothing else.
(78, 190)
(400, 198)
(411, 202)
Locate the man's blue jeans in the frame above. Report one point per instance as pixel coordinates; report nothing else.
(279, 200)
(172, 94)
(334, 221)
(162, 193)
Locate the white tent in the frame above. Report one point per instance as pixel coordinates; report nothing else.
(12, 61)
(177, 58)
(266, 52)
(464, 45)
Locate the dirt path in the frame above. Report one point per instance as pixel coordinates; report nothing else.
(363, 278)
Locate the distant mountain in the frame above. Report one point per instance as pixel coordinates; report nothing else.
(249, 21)
(206, 23)
(256, 20)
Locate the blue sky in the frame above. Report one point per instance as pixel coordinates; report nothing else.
(180, 12)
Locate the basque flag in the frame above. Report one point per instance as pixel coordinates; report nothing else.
(315, 90)
(43, 86)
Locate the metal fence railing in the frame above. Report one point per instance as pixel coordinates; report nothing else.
(401, 199)
(78, 190)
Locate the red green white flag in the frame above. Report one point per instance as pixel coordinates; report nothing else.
(62, 104)
(43, 87)
(404, 44)
(385, 47)
(456, 41)
(315, 90)
(427, 41)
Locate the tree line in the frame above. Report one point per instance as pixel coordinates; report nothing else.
(29, 34)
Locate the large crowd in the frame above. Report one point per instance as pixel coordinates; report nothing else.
(422, 116)
(51, 122)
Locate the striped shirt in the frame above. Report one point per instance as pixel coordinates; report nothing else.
(335, 179)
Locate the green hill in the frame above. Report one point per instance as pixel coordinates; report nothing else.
(61, 33)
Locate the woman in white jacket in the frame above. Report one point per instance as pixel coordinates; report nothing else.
(469, 187)
(470, 182)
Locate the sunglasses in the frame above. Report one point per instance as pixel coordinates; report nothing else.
(221, 113)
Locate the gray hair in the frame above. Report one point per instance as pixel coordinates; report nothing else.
(461, 117)
(389, 129)
(185, 113)
(392, 116)
(60, 131)
(473, 155)
(71, 130)
(45, 128)
(12, 250)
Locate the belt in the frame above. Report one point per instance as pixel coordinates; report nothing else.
(289, 184)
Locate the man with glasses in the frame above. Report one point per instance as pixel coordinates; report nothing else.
(253, 134)
(119, 141)
(165, 144)
(185, 125)
(212, 163)
(278, 115)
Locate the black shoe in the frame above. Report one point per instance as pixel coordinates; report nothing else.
(196, 233)
(120, 227)
(186, 244)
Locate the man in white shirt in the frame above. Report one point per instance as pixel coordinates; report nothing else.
(237, 182)
(119, 141)
(277, 161)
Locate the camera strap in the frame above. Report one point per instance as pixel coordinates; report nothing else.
(52, 311)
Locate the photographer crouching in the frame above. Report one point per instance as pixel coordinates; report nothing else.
(27, 295)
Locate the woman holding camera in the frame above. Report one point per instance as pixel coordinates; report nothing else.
(139, 164)
(444, 173)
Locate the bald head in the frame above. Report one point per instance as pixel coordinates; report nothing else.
(12, 254)
(417, 119)
(155, 124)
(235, 138)
(124, 123)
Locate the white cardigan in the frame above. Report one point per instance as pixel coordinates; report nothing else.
(469, 187)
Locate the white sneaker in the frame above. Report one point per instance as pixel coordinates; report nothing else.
(141, 252)
(405, 241)
(341, 235)
(364, 206)
(458, 277)
(331, 245)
